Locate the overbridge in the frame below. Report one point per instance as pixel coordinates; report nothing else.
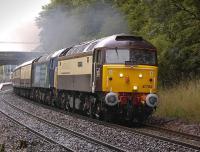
(16, 57)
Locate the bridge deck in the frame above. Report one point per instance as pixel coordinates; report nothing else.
(15, 58)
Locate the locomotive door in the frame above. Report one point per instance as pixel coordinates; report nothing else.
(97, 71)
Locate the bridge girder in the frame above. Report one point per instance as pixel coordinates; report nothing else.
(15, 58)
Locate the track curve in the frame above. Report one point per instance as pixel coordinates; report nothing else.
(78, 135)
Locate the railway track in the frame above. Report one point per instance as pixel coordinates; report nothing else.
(49, 140)
(163, 134)
(180, 138)
(189, 140)
(100, 144)
(46, 138)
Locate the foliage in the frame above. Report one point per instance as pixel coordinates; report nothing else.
(65, 23)
(171, 25)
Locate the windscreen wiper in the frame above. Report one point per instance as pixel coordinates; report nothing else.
(130, 63)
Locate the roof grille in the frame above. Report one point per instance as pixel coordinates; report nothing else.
(129, 38)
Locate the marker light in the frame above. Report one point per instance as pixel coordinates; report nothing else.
(135, 88)
(140, 75)
(121, 75)
(127, 80)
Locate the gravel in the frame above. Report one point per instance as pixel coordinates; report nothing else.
(16, 138)
(176, 124)
(52, 132)
(127, 140)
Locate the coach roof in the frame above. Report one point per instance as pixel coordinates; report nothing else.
(24, 64)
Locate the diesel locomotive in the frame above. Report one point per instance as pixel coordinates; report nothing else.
(110, 78)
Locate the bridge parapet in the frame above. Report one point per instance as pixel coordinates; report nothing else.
(15, 58)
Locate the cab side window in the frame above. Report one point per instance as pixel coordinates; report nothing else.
(99, 57)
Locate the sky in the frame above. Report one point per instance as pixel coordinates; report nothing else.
(17, 23)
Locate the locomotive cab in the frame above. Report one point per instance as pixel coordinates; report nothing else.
(126, 73)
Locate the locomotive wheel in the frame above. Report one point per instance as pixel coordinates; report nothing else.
(50, 98)
(109, 114)
(63, 101)
(37, 96)
(47, 99)
(84, 105)
(67, 105)
(141, 117)
(57, 102)
(83, 108)
(41, 96)
(98, 113)
(92, 107)
(129, 113)
(26, 93)
(31, 95)
(53, 101)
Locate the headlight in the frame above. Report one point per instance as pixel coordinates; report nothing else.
(121, 75)
(140, 75)
(135, 88)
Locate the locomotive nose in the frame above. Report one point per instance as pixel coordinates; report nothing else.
(152, 100)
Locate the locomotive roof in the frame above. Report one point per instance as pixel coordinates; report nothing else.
(57, 53)
(80, 48)
(47, 57)
(114, 41)
(124, 40)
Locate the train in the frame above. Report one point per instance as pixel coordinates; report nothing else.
(111, 78)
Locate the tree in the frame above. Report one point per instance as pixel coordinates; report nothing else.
(65, 23)
(171, 25)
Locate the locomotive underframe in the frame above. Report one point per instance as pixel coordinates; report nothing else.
(90, 104)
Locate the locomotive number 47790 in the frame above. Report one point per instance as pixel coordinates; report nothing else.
(109, 78)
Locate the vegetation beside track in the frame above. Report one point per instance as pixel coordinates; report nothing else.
(181, 101)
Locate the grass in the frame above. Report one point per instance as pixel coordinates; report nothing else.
(182, 101)
(2, 147)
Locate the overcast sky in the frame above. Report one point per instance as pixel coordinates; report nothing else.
(17, 23)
